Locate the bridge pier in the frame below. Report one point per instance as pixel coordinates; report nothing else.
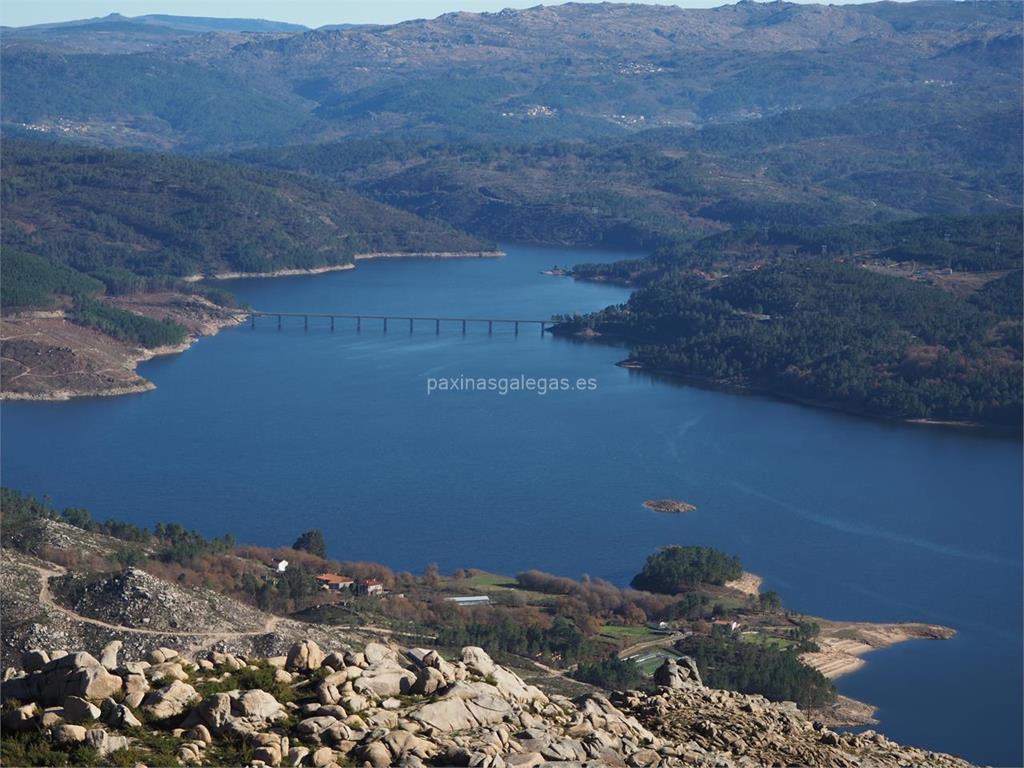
(305, 323)
(410, 325)
(490, 327)
(463, 327)
(517, 327)
(359, 323)
(385, 325)
(252, 321)
(542, 329)
(332, 322)
(279, 322)
(437, 326)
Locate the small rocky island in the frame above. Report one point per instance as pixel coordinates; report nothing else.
(671, 506)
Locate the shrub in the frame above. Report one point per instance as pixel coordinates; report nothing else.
(262, 678)
(613, 673)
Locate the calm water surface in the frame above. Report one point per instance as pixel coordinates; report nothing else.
(266, 433)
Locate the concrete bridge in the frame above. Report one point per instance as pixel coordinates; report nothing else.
(435, 320)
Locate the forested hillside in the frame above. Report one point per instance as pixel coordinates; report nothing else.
(835, 334)
(938, 247)
(126, 217)
(935, 153)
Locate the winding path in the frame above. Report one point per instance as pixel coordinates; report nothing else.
(47, 599)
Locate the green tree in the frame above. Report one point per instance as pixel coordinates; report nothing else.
(613, 672)
(770, 601)
(312, 541)
(675, 569)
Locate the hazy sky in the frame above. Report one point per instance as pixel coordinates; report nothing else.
(312, 13)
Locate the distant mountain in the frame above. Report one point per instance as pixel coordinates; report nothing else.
(114, 21)
(212, 24)
(574, 71)
(115, 33)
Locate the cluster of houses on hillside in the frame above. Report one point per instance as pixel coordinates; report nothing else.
(336, 581)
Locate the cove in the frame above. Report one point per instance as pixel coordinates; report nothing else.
(265, 433)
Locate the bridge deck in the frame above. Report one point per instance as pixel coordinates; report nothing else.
(441, 318)
(437, 320)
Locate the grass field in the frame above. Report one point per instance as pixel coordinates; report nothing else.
(629, 634)
(496, 586)
(768, 640)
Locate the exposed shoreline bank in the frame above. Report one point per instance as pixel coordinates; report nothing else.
(302, 271)
(843, 644)
(106, 367)
(87, 363)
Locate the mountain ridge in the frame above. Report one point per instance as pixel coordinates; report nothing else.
(574, 70)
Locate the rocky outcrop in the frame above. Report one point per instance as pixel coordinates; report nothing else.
(384, 706)
(703, 726)
(678, 674)
(169, 702)
(237, 714)
(77, 674)
(305, 656)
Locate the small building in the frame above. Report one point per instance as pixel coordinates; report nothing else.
(280, 565)
(335, 581)
(470, 600)
(371, 587)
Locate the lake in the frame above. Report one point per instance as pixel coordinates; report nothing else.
(266, 433)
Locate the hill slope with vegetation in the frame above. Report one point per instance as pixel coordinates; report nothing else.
(576, 70)
(835, 334)
(106, 213)
(109, 241)
(877, 160)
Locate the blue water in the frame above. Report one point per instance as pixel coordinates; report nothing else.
(266, 433)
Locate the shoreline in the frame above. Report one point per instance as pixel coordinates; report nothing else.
(495, 254)
(614, 339)
(975, 427)
(63, 395)
(748, 584)
(842, 644)
(303, 271)
(128, 356)
(276, 273)
(209, 323)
